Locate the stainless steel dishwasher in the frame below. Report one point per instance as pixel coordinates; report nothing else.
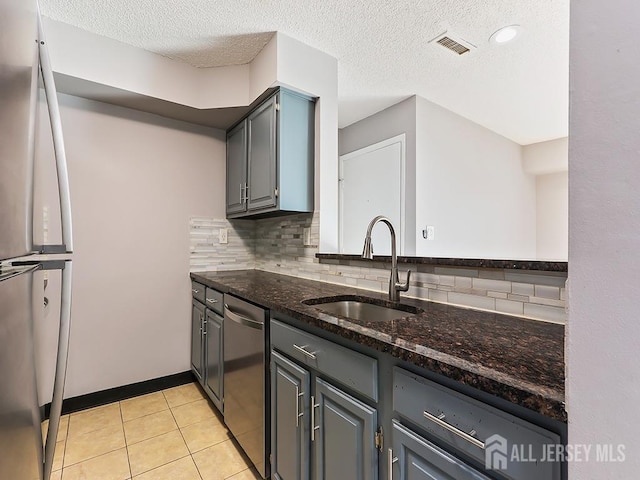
(246, 379)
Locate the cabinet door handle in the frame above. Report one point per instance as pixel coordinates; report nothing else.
(302, 349)
(298, 412)
(211, 300)
(195, 291)
(390, 461)
(439, 420)
(241, 195)
(314, 427)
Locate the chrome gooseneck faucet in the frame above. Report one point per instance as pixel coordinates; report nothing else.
(395, 287)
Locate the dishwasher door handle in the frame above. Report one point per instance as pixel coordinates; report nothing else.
(241, 319)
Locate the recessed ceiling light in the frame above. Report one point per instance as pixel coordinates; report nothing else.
(505, 34)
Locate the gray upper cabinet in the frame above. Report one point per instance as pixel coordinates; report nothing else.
(262, 156)
(270, 158)
(237, 169)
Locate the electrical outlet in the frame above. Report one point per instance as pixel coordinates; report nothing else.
(222, 236)
(306, 236)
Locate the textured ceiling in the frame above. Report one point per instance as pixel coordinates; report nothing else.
(519, 90)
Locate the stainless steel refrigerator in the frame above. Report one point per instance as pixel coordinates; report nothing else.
(23, 60)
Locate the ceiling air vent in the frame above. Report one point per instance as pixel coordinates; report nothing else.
(453, 43)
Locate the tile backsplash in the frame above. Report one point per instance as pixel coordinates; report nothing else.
(276, 245)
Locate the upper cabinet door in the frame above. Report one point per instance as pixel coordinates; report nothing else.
(237, 169)
(262, 156)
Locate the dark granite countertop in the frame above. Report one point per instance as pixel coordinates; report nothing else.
(540, 265)
(516, 359)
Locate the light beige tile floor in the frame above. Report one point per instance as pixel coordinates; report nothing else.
(175, 434)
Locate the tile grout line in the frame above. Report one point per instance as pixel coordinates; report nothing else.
(64, 448)
(155, 436)
(183, 439)
(126, 444)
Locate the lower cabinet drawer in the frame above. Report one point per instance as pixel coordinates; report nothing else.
(215, 301)
(494, 438)
(415, 458)
(352, 369)
(197, 291)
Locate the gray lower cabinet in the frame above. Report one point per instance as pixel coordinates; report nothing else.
(320, 430)
(197, 328)
(207, 338)
(290, 400)
(415, 458)
(344, 435)
(213, 357)
(270, 158)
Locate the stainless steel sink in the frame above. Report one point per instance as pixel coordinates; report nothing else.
(368, 310)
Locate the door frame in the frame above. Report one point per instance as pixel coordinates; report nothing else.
(401, 232)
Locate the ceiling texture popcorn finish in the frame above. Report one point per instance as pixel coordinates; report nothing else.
(519, 90)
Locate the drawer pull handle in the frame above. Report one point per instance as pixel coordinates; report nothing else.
(464, 435)
(195, 291)
(211, 300)
(314, 427)
(390, 461)
(302, 349)
(298, 412)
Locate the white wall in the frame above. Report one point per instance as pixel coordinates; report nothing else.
(552, 214)
(395, 120)
(471, 187)
(549, 161)
(603, 334)
(135, 180)
(546, 157)
(85, 55)
(312, 71)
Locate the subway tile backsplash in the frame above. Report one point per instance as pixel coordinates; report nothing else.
(276, 245)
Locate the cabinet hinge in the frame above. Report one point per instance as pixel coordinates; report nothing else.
(379, 439)
(277, 107)
(276, 192)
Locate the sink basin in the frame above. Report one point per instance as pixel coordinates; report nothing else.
(364, 309)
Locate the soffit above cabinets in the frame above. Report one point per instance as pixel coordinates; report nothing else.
(221, 118)
(519, 90)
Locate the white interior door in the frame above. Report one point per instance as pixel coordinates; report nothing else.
(372, 183)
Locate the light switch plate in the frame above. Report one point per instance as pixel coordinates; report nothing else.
(222, 236)
(429, 233)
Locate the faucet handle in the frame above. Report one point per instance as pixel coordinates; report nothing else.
(403, 287)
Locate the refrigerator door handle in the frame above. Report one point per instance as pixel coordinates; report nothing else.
(61, 370)
(58, 143)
